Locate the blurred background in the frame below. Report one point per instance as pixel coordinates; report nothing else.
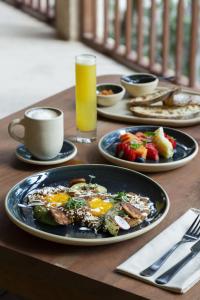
(40, 38)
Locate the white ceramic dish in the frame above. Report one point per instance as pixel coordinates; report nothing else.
(139, 84)
(109, 100)
(67, 152)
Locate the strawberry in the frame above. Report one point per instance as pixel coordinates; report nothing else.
(124, 151)
(131, 155)
(171, 139)
(152, 152)
(119, 152)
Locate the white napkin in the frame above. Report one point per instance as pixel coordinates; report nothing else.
(187, 276)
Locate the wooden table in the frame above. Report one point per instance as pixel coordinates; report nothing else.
(39, 269)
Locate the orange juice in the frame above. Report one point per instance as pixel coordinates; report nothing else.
(86, 103)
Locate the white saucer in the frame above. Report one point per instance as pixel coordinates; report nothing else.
(67, 152)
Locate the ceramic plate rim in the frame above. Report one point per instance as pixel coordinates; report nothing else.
(46, 162)
(81, 241)
(153, 165)
(141, 120)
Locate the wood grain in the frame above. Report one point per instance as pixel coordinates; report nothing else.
(38, 269)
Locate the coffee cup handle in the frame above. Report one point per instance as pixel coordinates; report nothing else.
(11, 130)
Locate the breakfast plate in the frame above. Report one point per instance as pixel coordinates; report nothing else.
(114, 178)
(145, 111)
(67, 152)
(186, 150)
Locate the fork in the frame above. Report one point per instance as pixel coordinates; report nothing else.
(191, 235)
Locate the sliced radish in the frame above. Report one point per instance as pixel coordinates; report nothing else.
(122, 223)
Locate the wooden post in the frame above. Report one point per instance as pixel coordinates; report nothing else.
(67, 19)
(193, 42)
(62, 18)
(166, 36)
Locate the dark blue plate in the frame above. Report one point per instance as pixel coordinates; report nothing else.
(185, 151)
(67, 152)
(114, 178)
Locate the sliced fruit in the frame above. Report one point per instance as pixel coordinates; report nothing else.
(152, 152)
(123, 150)
(162, 144)
(141, 136)
(129, 137)
(131, 155)
(141, 152)
(171, 139)
(140, 160)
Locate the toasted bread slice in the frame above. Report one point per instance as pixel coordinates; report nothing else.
(160, 94)
(164, 112)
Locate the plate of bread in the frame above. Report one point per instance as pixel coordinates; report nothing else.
(167, 105)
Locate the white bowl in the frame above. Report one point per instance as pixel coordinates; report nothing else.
(109, 100)
(140, 84)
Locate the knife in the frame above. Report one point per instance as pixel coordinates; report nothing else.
(169, 274)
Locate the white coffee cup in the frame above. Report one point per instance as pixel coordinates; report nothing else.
(43, 131)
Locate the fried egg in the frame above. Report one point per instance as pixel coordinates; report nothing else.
(56, 199)
(99, 207)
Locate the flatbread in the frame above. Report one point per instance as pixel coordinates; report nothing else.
(164, 112)
(160, 94)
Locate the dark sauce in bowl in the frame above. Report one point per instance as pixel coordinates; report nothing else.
(139, 78)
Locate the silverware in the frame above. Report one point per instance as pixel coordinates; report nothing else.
(169, 274)
(191, 235)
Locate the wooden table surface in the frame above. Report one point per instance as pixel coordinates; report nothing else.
(38, 269)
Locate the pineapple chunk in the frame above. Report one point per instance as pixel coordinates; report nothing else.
(163, 145)
(142, 152)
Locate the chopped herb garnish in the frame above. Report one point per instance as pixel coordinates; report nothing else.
(75, 203)
(135, 145)
(172, 137)
(149, 133)
(144, 143)
(120, 197)
(121, 213)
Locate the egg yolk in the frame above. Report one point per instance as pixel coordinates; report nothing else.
(99, 207)
(57, 199)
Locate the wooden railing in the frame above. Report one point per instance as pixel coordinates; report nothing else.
(146, 35)
(41, 9)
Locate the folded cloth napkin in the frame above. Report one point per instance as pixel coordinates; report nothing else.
(187, 276)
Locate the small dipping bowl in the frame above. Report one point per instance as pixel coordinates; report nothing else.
(109, 94)
(139, 84)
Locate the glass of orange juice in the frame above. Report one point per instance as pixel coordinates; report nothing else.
(86, 101)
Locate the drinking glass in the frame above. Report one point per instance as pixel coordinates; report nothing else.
(86, 100)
